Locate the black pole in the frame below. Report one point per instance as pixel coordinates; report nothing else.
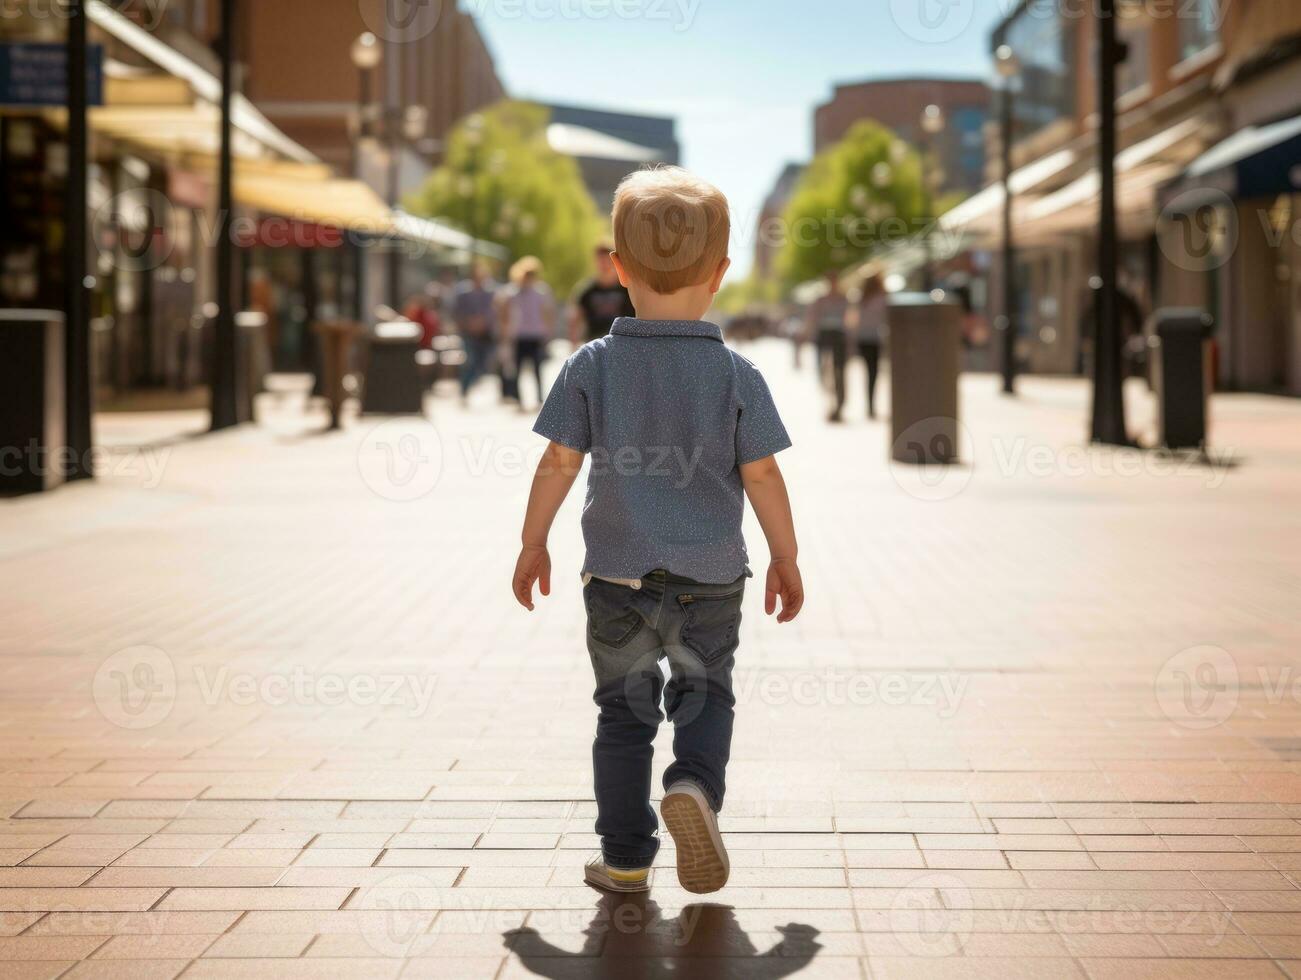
(928, 273)
(223, 383)
(354, 237)
(1108, 423)
(394, 100)
(1009, 323)
(78, 377)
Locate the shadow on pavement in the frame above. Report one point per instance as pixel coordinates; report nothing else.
(629, 938)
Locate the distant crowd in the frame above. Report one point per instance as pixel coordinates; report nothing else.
(505, 328)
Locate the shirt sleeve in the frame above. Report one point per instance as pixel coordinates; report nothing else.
(564, 417)
(759, 429)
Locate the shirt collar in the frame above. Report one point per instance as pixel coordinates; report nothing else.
(632, 327)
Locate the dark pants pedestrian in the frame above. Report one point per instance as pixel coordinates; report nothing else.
(478, 356)
(871, 353)
(629, 631)
(529, 349)
(833, 356)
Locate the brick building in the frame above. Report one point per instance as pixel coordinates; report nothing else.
(898, 104)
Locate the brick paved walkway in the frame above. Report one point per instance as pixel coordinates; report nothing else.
(261, 715)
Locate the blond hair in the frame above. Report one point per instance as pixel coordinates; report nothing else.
(530, 264)
(671, 228)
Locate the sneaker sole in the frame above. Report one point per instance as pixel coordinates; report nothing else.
(702, 860)
(606, 883)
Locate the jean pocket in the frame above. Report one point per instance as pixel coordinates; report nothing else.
(710, 624)
(611, 620)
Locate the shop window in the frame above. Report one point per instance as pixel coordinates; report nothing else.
(1199, 26)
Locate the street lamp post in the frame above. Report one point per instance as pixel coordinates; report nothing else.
(78, 376)
(1108, 416)
(932, 124)
(366, 56)
(222, 391)
(1009, 68)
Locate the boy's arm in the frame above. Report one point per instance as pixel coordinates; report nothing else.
(766, 489)
(556, 473)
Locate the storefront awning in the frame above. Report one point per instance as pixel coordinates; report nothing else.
(1258, 161)
(246, 119)
(1140, 169)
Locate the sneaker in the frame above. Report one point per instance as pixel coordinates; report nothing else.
(597, 873)
(702, 860)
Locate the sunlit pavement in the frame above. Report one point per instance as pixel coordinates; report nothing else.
(268, 708)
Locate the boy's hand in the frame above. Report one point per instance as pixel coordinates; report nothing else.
(784, 580)
(534, 565)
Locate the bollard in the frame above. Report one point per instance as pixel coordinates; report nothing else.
(925, 347)
(33, 439)
(1183, 375)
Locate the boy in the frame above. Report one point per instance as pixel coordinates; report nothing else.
(677, 425)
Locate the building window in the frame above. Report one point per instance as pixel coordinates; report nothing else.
(1136, 71)
(1199, 26)
(1043, 40)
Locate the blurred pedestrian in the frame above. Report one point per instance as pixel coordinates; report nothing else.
(870, 321)
(598, 301)
(528, 319)
(422, 310)
(826, 322)
(474, 308)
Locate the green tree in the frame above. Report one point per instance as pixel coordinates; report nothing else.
(502, 182)
(864, 192)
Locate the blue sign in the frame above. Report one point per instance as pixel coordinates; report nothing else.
(37, 74)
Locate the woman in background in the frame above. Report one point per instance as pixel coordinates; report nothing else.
(528, 320)
(870, 321)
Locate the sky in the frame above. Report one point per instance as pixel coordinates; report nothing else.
(742, 77)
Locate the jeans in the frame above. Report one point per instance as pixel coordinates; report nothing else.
(629, 631)
(478, 356)
(833, 356)
(871, 351)
(531, 349)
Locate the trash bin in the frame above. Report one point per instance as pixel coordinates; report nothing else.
(392, 381)
(1183, 375)
(925, 349)
(33, 431)
(335, 343)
